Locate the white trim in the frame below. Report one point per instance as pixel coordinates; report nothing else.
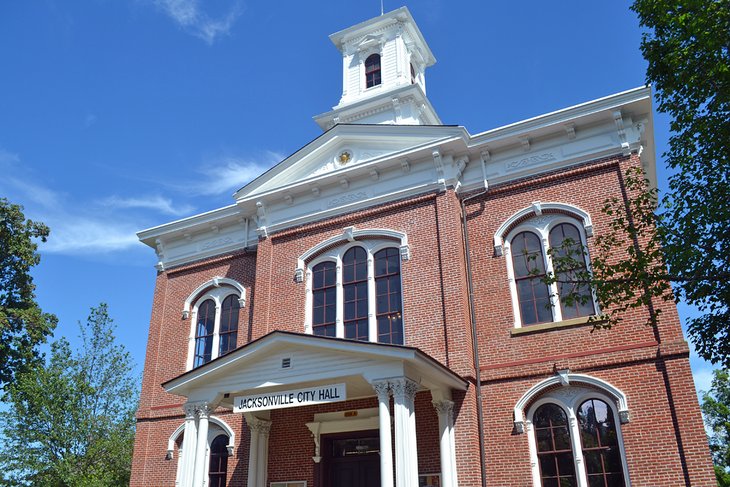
(567, 378)
(570, 404)
(350, 234)
(215, 282)
(537, 208)
(218, 295)
(373, 242)
(541, 225)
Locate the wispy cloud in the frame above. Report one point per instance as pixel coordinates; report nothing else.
(224, 175)
(189, 15)
(157, 203)
(72, 234)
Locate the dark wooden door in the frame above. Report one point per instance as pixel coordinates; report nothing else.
(351, 461)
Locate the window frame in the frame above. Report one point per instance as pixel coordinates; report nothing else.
(218, 295)
(379, 70)
(335, 254)
(541, 226)
(570, 403)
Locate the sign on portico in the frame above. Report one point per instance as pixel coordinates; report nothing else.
(290, 399)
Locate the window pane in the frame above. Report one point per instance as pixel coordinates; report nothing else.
(388, 300)
(600, 443)
(565, 242)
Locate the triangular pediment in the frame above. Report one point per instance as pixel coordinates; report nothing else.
(342, 150)
(287, 360)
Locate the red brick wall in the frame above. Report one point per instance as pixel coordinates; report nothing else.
(664, 441)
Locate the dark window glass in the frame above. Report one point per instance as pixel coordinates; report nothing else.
(600, 444)
(218, 462)
(565, 241)
(355, 289)
(372, 70)
(554, 451)
(204, 333)
(324, 299)
(389, 307)
(413, 75)
(529, 268)
(229, 325)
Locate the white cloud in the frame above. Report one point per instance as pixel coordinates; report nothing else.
(228, 174)
(71, 234)
(189, 15)
(157, 203)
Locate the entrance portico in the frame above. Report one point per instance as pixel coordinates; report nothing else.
(285, 370)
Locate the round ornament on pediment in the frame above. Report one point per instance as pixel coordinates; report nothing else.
(344, 157)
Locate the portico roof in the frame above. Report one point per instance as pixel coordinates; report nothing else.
(281, 360)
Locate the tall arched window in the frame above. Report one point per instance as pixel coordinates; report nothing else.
(215, 319)
(535, 248)
(204, 333)
(355, 288)
(565, 242)
(372, 70)
(218, 466)
(599, 440)
(554, 449)
(229, 325)
(388, 302)
(528, 262)
(355, 292)
(324, 294)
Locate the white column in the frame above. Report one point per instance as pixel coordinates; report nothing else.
(382, 389)
(264, 427)
(203, 411)
(445, 410)
(406, 454)
(187, 459)
(253, 451)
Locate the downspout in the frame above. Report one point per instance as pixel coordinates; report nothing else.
(475, 345)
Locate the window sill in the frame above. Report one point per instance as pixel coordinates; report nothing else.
(583, 320)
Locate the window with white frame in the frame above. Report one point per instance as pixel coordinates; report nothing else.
(214, 320)
(354, 292)
(527, 248)
(575, 440)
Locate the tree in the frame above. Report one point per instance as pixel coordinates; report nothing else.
(687, 47)
(716, 410)
(23, 325)
(71, 418)
(676, 245)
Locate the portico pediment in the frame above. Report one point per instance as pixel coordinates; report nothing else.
(284, 361)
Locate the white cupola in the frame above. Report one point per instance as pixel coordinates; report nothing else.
(384, 62)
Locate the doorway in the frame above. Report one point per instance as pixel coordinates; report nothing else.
(351, 459)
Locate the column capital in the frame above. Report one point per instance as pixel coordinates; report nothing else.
(443, 406)
(404, 387)
(261, 426)
(382, 389)
(189, 409)
(203, 410)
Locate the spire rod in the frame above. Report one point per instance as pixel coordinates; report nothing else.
(381, 7)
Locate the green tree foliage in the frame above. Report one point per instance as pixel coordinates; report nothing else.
(716, 410)
(687, 46)
(676, 246)
(23, 325)
(70, 419)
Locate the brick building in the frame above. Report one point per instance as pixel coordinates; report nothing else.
(364, 312)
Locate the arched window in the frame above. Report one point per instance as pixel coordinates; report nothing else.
(218, 466)
(554, 449)
(528, 261)
(215, 319)
(372, 71)
(229, 325)
(355, 291)
(574, 436)
(566, 242)
(204, 334)
(355, 288)
(388, 302)
(324, 294)
(599, 440)
(534, 247)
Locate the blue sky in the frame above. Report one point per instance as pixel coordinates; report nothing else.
(116, 116)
